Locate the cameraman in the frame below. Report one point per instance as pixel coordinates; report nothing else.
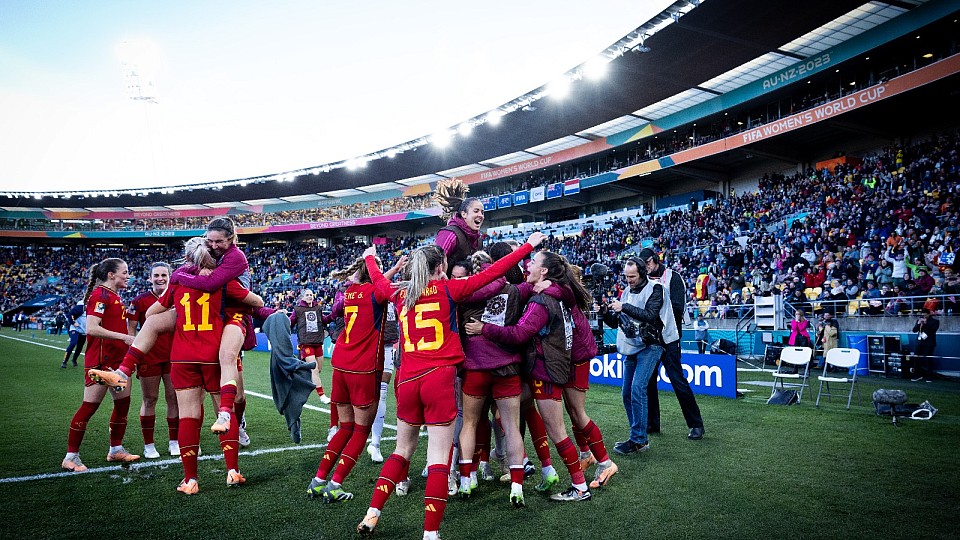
(638, 316)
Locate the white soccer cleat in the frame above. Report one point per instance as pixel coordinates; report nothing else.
(150, 451)
(331, 432)
(174, 447)
(374, 452)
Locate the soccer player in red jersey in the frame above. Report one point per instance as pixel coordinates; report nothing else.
(107, 340)
(195, 363)
(155, 366)
(429, 336)
(357, 363)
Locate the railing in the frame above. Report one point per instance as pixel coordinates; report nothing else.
(941, 304)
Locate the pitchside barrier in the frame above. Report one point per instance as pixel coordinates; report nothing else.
(709, 374)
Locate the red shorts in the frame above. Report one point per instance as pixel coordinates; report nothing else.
(429, 398)
(152, 369)
(482, 383)
(546, 390)
(187, 375)
(357, 389)
(310, 350)
(111, 361)
(581, 377)
(234, 317)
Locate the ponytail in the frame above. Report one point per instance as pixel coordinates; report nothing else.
(561, 272)
(358, 267)
(478, 259)
(423, 264)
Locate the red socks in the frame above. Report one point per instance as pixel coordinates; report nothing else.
(118, 420)
(239, 406)
(78, 425)
(350, 454)
(147, 423)
(130, 360)
(538, 434)
(568, 453)
(189, 446)
(228, 394)
(435, 497)
(230, 444)
(173, 427)
(516, 474)
(581, 439)
(334, 449)
(595, 440)
(394, 470)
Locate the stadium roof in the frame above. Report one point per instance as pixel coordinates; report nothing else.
(696, 55)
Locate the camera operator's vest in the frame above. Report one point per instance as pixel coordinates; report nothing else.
(671, 331)
(548, 354)
(309, 324)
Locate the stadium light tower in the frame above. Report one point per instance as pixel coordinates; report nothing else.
(139, 61)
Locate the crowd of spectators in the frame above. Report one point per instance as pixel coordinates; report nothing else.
(286, 217)
(882, 230)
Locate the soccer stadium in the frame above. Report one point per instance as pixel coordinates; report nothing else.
(795, 166)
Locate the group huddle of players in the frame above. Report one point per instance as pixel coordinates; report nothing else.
(480, 343)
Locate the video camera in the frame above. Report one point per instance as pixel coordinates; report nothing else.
(596, 280)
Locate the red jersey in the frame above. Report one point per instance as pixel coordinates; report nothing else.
(429, 333)
(200, 319)
(137, 310)
(106, 304)
(359, 347)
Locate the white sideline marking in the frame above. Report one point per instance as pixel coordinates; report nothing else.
(165, 462)
(147, 464)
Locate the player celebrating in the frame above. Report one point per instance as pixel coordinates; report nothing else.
(357, 359)
(107, 340)
(307, 316)
(155, 366)
(429, 335)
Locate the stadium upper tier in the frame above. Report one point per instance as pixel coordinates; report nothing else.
(717, 59)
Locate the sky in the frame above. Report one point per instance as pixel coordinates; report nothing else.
(247, 88)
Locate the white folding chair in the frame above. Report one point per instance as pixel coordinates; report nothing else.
(799, 358)
(845, 359)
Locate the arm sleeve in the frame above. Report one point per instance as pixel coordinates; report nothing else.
(293, 318)
(534, 318)
(678, 295)
(447, 242)
(650, 313)
(383, 288)
(488, 291)
(525, 291)
(236, 291)
(462, 288)
(232, 266)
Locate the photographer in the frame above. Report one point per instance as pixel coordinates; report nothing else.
(638, 316)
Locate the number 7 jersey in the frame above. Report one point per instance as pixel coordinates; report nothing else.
(199, 321)
(359, 347)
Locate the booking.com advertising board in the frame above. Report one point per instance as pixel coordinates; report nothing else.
(709, 374)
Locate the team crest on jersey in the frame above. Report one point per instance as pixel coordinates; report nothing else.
(496, 310)
(100, 308)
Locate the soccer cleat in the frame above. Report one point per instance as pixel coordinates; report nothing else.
(122, 456)
(403, 487)
(505, 478)
(516, 498)
(465, 491)
(333, 494)
(528, 469)
(150, 451)
(603, 474)
(331, 432)
(486, 472)
(571, 495)
(324, 399)
(374, 452)
(174, 448)
(222, 425)
(234, 478)
(73, 464)
(316, 488)
(369, 522)
(547, 482)
(189, 487)
(115, 379)
(243, 438)
(586, 460)
(630, 447)
(426, 471)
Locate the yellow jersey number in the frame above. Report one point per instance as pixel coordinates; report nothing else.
(350, 314)
(420, 322)
(204, 303)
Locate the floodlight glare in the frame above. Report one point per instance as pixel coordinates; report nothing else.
(442, 139)
(560, 87)
(465, 128)
(596, 68)
(494, 116)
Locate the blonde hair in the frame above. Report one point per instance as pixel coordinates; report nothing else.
(195, 253)
(358, 267)
(478, 259)
(424, 262)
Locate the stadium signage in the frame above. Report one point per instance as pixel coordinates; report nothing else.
(708, 374)
(489, 203)
(521, 197)
(516, 168)
(537, 194)
(505, 201)
(798, 70)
